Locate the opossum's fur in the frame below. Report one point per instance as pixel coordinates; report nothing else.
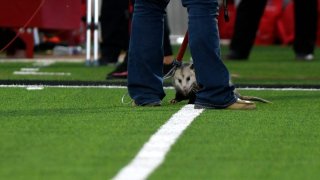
(185, 83)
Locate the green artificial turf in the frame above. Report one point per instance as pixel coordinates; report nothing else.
(275, 65)
(276, 141)
(71, 133)
(59, 133)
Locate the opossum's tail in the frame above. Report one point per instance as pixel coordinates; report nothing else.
(253, 98)
(250, 98)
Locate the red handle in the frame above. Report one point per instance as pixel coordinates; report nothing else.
(183, 47)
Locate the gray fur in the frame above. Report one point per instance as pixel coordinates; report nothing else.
(184, 79)
(185, 83)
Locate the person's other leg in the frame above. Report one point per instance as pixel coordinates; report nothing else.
(114, 29)
(248, 17)
(305, 28)
(211, 73)
(121, 71)
(167, 48)
(145, 82)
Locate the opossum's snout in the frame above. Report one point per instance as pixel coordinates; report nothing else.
(185, 90)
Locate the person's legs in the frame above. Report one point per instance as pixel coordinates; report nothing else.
(145, 82)
(212, 75)
(305, 28)
(248, 17)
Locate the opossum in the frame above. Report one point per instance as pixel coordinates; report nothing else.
(185, 83)
(186, 86)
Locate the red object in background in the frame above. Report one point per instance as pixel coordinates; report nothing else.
(226, 28)
(53, 15)
(83, 8)
(285, 25)
(276, 23)
(28, 37)
(266, 34)
(74, 37)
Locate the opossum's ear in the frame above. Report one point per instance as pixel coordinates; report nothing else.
(191, 66)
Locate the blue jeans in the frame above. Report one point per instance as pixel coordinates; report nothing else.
(145, 82)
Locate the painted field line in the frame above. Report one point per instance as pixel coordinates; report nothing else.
(34, 88)
(154, 151)
(29, 69)
(280, 89)
(41, 73)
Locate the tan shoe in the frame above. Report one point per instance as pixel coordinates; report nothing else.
(242, 105)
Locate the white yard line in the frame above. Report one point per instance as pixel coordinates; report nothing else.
(279, 89)
(30, 88)
(35, 71)
(43, 63)
(41, 73)
(29, 69)
(154, 151)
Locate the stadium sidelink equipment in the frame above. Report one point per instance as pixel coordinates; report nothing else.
(95, 26)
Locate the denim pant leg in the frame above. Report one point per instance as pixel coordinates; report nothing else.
(145, 82)
(211, 73)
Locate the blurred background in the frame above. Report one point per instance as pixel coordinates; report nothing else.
(56, 33)
(59, 27)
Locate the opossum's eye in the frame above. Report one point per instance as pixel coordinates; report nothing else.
(179, 80)
(188, 78)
